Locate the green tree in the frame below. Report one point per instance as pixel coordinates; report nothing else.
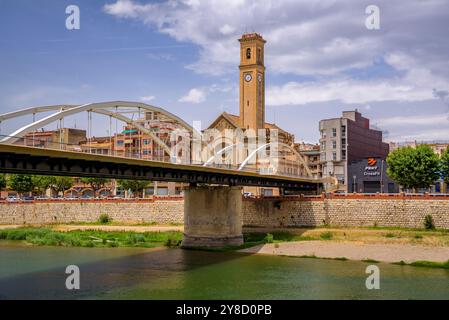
(95, 183)
(414, 167)
(136, 186)
(61, 184)
(444, 170)
(42, 183)
(21, 183)
(3, 181)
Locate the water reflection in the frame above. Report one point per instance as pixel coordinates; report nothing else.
(38, 273)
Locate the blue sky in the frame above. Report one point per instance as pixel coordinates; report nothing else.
(182, 55)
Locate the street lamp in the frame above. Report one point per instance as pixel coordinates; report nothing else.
(381, 177)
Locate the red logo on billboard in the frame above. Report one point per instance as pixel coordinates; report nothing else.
(372, 162)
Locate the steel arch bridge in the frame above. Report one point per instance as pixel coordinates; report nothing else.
(112, 109)
(118, 110)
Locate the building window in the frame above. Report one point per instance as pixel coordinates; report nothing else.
(343, 143)
(343, 154)
(323, 145)
(120, 143)
(323, 134)
(323, 156)
(334, 144)
(248, 53)
(334, 156)
(343, 131)
(334, 132)
(146, 142)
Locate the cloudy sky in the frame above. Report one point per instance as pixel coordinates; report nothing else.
(183, 55)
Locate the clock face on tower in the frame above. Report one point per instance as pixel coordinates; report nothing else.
(248, 77)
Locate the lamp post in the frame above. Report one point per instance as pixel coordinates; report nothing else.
(381, 176)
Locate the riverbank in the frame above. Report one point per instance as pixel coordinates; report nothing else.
(51, 236)
(417, 247)
(390, 245)
(390, 253)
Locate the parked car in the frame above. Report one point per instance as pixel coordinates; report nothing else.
(13, 199)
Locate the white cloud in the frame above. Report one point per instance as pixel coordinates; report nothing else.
(226, 29)
(147, 98)
(304, 37)
(424, 135)
(194, 96)
(415, 84)
(414, 120)
(345, 90)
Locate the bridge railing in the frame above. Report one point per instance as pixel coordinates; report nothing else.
(88, 147)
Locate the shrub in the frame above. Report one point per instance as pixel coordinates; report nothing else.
(171, 242)
(88, 244)
(326, 235)
(429, 224)
(269, 238)
(135, 238)
(104, 218)
(112, 244)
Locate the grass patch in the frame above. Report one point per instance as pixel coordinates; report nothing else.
(326, 235)
(92, 238)
(431, 264)
(324, 258)
(370, 261)
(425, 264)
(390, 235)
(275, 237)
(404, 229)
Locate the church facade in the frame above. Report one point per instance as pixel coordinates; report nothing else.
(252, 110)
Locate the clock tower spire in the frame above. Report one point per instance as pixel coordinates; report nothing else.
(252, 81)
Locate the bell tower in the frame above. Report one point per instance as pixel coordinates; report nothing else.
(252, 81)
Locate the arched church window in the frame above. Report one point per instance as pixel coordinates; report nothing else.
(248, 53)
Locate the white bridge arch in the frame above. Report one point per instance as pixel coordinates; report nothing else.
(103, 108)
(254, 152)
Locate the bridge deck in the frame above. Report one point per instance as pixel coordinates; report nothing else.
(22, 159)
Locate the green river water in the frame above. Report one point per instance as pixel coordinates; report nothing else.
(120, 273)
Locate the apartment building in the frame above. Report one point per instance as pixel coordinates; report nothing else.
(347, 140)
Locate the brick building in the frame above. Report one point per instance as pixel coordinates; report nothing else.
(347, 140)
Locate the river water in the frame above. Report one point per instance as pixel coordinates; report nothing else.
(120, 273)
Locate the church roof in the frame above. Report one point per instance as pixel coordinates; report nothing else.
(273, 126)
(235, 121)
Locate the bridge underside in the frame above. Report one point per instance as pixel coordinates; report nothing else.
(19, 159)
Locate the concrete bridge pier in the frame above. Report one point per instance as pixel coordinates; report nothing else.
(212, 217)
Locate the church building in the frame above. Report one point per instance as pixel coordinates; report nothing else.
(252, 108)
(252, 92)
